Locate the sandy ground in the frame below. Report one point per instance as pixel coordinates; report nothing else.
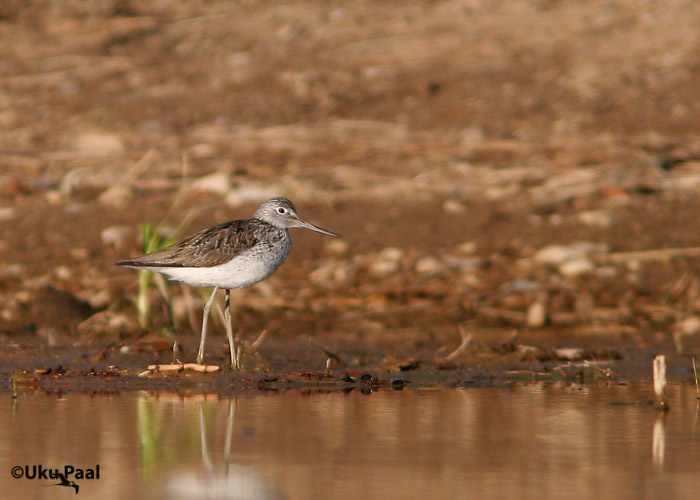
(518, 177)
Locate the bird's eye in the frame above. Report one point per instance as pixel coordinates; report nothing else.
(281, 210)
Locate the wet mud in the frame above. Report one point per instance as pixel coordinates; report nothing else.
(514, 205)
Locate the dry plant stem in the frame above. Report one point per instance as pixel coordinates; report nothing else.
(695, 371)
(142, 165)
(659, 374)
(176, 367)
(332, 355)
(466, 340)
(258, 342)
(648, 255)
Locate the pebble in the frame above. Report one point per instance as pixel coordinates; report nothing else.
(331, 272)
(570, 260)
(7, 213)
(596, 218)
(428, 265)
(569, 353)
(79, 253)
(577, 266)
(387, 261)
(336, 247)
(116, 196)
(466, 248)
(453, 207)
(54, 197)
(102, 142)
(536, 315)
(101, 299)
(690, 325)
(464, 263)
(63, 273)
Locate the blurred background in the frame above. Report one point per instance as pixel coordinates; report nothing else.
(498, 170)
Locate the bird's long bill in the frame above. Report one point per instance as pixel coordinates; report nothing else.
(308, 225)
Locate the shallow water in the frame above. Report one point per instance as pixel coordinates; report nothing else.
(523, 442)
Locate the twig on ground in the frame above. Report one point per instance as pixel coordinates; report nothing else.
(258, 342)
(647, 255)
(466, 340)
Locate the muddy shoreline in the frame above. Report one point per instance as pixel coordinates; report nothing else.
(537, 189)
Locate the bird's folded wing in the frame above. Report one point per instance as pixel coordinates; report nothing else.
(211, 247)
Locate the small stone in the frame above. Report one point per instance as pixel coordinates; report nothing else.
(99, 300)
(387, 261)
(63, 273)
(556, 220)
(54, 197)
(453, 207)
(466, 248)
(79, 253)
(555, 255)
(102, 142)
(690, 325)
(633, 265)
(577, 266)
(428, 265)
(569, 353)
(13, 270)
(336, 247)
(116, 196)
(463, 263)
(596, 218)
(391, 253)
(7, 213)
(536, 315)
(332, 272)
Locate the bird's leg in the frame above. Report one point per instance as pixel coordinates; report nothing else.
(235, 356)
(203, 338)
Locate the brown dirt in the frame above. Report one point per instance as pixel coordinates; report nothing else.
(422, 126)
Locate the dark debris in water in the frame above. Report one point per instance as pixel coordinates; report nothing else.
(76, 369)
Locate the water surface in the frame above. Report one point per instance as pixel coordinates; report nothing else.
(524, 442)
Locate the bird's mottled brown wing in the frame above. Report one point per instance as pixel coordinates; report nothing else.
(210, 247)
